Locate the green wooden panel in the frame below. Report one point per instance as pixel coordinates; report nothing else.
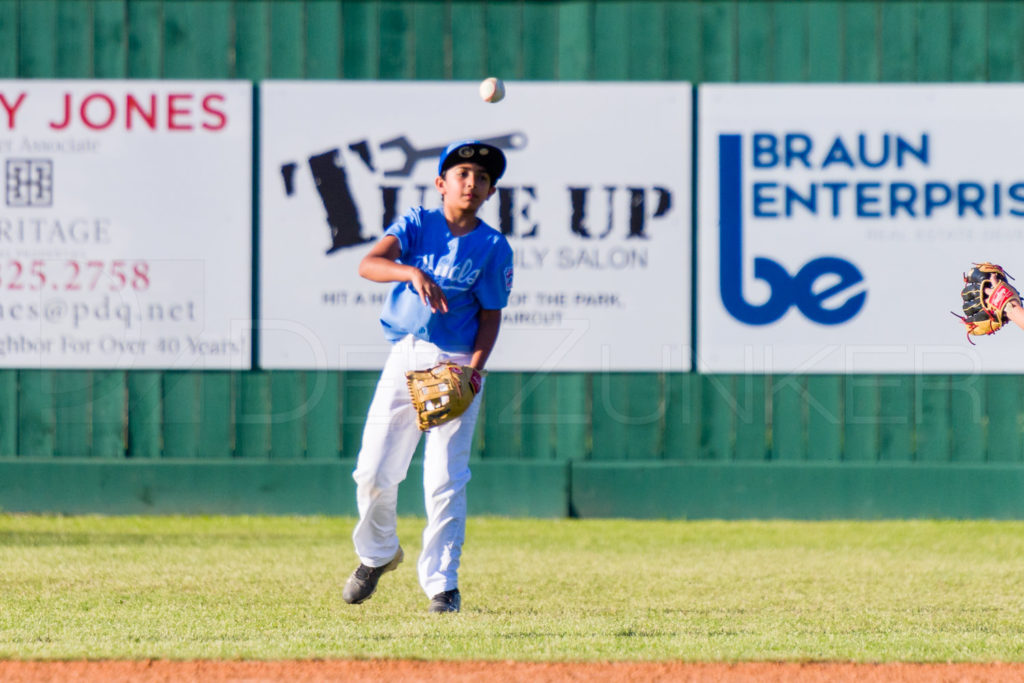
(37, 39)
(478, 447)
(356, 394)
(109, 413)
(287, 40)
(800, 490)
(287, 414)
(969, 50)
(612, 41)
(216, 436)
(252, 37)
(75, 46)
(507, 488)
(1003, 402)
(755, 41)
(860, 42)
(8, 40)
(214, 54)
(8, 412)
(1005, 40)
(252, 424)
(396, 41)
(646, 419)
(825, 417)
(934, 431)
(683, 45)
(682, 416)
(628, 412)
(197, 39)
(788, 403)
(145, 411)
(935, 31)
(466, 53)
(752, 403)
(145, 39)
(72, 400)
(718, 413)
(503, 25)
(896, 417)
(861, 418)
(181, 414)
(323, 39)
(824, 40)
(37, 417)
(323, 419)
(434, 47)
(110, 33)
(360, 49)
(538, 411)
(609, 412)
(967, 417)
(575, 40)
(648, 41)
(718, 41)
(790, 41)
(501, 417)
(573, 438)
(541, 42)
(898, 41)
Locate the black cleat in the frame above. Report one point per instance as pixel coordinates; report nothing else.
(449, 601)
(363, 582)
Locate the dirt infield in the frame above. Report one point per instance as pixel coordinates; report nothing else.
(153, 671)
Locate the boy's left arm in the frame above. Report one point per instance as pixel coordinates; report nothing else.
(486, 336)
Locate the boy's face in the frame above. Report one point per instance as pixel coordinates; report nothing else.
(465, 186)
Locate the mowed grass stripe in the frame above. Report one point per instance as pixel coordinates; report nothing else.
(533, 590)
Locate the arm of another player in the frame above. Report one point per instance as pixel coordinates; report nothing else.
(381, 265)
(486, 336)
(1015, 313)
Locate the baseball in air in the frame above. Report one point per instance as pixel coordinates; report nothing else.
(492, 90)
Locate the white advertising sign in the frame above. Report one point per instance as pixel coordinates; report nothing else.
(595, 203)
(125, 228)
(835, 221)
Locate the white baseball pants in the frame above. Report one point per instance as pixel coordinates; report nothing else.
(390, 438)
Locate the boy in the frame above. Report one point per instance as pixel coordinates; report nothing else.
(453, 275)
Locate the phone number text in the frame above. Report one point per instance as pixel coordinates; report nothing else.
(74, 275)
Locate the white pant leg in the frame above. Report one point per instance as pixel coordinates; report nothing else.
(390, 437)
(445, 475)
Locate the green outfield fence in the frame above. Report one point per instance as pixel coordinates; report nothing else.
(553, 444)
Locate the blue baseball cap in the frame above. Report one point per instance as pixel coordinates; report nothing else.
(475, 152)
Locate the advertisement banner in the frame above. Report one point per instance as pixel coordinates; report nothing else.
(125, 229)
(595, 204)
(835, 222)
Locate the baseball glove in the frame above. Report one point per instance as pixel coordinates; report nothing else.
(443, 392)
(986, 294)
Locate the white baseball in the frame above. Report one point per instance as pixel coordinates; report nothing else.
(492, 90)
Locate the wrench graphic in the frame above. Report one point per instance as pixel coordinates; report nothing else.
(413, 155)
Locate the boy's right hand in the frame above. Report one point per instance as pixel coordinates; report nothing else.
(430, 293)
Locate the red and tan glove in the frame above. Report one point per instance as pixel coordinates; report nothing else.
(986, 295)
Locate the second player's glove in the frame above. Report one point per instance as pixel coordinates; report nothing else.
(986, 295)
(443, 392)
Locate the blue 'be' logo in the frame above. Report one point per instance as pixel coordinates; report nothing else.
(786, 290)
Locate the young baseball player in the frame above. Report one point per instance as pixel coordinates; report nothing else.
(452, 275)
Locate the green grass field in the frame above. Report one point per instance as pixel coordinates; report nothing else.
(270, 588)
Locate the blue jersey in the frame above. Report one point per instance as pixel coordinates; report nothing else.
(474, 270)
